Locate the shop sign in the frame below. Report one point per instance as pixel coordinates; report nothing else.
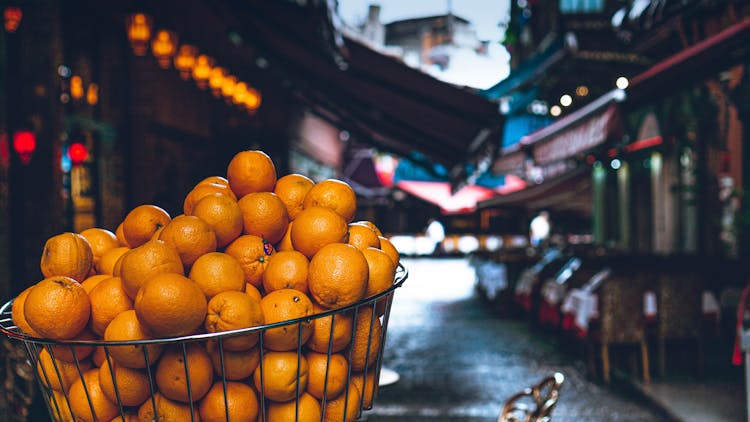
(583, 137)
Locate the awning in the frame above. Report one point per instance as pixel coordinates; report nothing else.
(439, 193)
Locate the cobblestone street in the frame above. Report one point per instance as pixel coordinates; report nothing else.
(459, 361)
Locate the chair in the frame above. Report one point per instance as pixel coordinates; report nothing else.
(535, 403)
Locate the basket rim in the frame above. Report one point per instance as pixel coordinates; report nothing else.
(10, 330)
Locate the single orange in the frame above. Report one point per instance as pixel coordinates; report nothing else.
(222, 214)
(190, 236)
(337, 275)
(365, 344)
(233, 401)
(251, 171)
(99, 356)
(68, 255)
(236, 365)
(58, 375)
(381, 271)
(316, 227)
(362, 237)
(334, 194)
(87, 400)
(252, 252)
(326, 375)
(132, 384)
(120, 234)
(285, 244)
(292, 189)
(284, 305)
(253, 292)
(306, 409)
(17, 313)
(335, 329)
(217, 272)
(345, 407)
(126, 327)
(142, 222)
(57, 308)
(144, 262)
(92, 281)
(264, 215)
(167, 410)
(390, 250)
(281, 374)
(180, 363)
(100, 240)
(371, 225)
(233, 310)
(286, 270)
(370, 386)
(202, 190)
(170, 305)
(107, 261)
(108, 299)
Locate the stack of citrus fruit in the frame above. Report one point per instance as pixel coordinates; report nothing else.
(249, 250)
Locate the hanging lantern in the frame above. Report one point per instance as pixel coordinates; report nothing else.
(216, 80)
(164, 47)
(12, 16)
(202, 70)
(92, 94)
(76, 87)
(252, 99)
(184, 61)
(139, 32)
(228, 85)
(240, 92)
(78, 153)
(24, 144)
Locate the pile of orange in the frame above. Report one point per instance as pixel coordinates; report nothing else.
(249, 250)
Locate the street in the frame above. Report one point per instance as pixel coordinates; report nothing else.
(459, 361)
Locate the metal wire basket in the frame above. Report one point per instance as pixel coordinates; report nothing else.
(55, 382)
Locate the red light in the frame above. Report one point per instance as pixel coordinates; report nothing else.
(77, 153)
(24, 144)
(12, 17)
(590, 159)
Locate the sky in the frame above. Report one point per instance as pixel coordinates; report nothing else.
(466, 68)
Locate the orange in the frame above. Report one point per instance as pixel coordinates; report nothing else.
(237, 365)
(142, 222)
(285, 244)
(252, 252)
(316, 227)
(222, 214)
(251, 171)
(57, 308)
(140, 264)
(178, 362)
(292, 189)
(219, 180)
(337, 275)
(264, 215)
(98, 357)
(345, 407)
(121, 236)
(58, 375)
(100, 240)
(365, 344)
(371, 225)
(370, 387)
(92, 281)
(283, 305)
(253, 292)
(129, 417)
(68, 255)
(217, 272)
(107, 261)
(69, 353)
(132, 384)
(60, 408)
(126, 327)
(87, 400)
(362, 237)
(326, 374)
(286, 270)
(167, 410)
(190, 236)
(202, 190)
(322, 334)
(17, 313)
(170, 305)
(234, 401)
(282, 373)
(108, 299)
(233, 310)
(334, 194)
(390, 250)
(381, 271)
(307, 409)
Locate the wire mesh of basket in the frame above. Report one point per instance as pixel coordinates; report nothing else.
(58, 365)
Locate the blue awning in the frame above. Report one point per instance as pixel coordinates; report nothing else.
(518, 126)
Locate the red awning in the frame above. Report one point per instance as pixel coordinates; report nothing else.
(439, 193)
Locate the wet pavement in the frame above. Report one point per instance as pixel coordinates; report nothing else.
(458, 360)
